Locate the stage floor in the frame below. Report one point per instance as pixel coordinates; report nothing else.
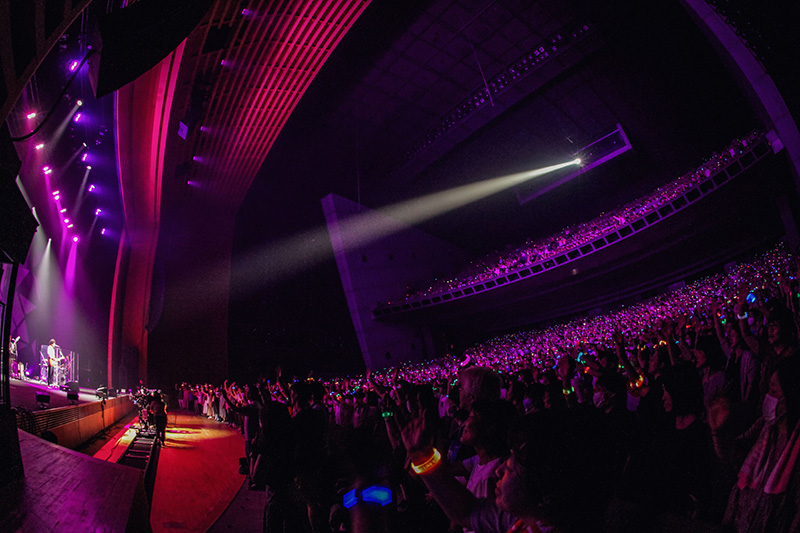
(23, 394)
(198, 471)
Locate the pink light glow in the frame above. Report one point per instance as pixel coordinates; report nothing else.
(55, 193)
(84, 156)
(56, 198)
(70, 225)
(103, 231)
(73, 66)
(77, 118)
(75, 239)
(63, 210)
(66, 221)
(31, 115)
(97, 211)
(91, 188)
(40, 146)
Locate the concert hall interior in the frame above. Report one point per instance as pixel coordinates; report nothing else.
(267, 264)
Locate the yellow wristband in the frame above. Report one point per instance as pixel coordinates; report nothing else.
(429, 464)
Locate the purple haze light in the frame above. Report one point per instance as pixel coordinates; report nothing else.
(66, 221)
(91, 188)
(97, 211)
(73, 66)
(84, 156)
(40, 146)
(77, 118)
(75, 239)
(103, 231)
(31, 115)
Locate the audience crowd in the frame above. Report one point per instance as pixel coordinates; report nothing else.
(678, 413)
(504, 262)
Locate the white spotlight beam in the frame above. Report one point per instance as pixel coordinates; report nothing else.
(285, 258)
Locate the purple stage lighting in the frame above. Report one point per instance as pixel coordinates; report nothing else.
(75, 239)
(47, 170)
(223, 62)
(70, 226)
(88, 167)
(77, 118)
(79, 103)
(97, 211)
(40, 146)
(73, 66)
(56, 197)
(66, 221)
(63, 210)
(31, 115)
(103, 231)
(91, 188)
(84, 156)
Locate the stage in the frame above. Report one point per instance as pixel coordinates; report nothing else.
(23, 394)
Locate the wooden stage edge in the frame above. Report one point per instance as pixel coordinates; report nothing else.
(64, 490)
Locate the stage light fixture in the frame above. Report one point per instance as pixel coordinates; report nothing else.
(55, 193)
(31, 116)
(88, 167)
(64, 210)
(103, 231)
(85, 145)
(91, 187)
(48, 170)
(75, 239)
(66, 221)
(97, 211)
(56, 198)
(84, 156)
(73, 66)
(79, 103)
(77, 118)
(70, 225)
(40, 146)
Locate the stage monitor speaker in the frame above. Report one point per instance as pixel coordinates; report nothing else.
(112, 392)
(132, 40)
(42, 399)
(72, 386)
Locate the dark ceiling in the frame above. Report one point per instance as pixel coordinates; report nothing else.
(404, 68)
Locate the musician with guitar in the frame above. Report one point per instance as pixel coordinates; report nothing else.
(54, 357)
